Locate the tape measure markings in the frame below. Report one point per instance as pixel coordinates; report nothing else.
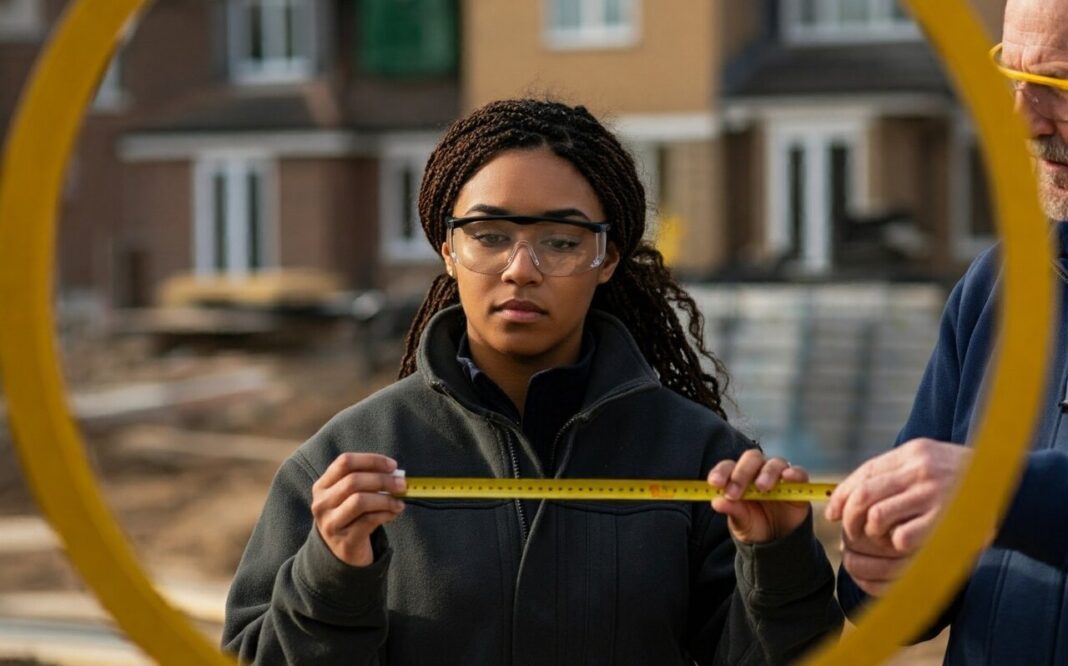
(678, 490)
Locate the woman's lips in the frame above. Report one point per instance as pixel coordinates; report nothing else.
(520, 311)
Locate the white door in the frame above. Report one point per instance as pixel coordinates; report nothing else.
(232, 218)
(812, 186)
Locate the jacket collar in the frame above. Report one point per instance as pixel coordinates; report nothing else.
(618, 365)
(1060, 238)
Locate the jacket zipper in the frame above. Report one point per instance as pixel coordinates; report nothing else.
(582, 416)
(556, 440)
(523, 530)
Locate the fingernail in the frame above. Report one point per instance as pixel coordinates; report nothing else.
(398, 506)
(734, 490)
(400, 484)
(391, 464)
(716, 479)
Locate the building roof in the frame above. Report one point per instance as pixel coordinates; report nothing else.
(223, 110)
(773, 69)
(313, 105)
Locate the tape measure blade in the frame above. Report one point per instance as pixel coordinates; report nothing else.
(599, 490)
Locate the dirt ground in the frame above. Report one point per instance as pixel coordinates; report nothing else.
(189, 510)
(185, 510)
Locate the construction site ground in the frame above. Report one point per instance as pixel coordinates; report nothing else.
(185, 442)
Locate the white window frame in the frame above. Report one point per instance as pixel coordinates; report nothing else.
(649, 137)
(814, 135)
(402, 153)
(882, 25)
(646, 155)
(110, 95)
(592, 32)
(236, 166)
(21, 20)
(276, 68)
(965, 244)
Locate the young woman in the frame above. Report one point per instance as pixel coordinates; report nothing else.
(549, 347)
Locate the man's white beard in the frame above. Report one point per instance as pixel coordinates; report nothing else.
(1053, 196)
(1052, 189)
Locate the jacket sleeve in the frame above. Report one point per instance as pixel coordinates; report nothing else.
(932, 416)
(1027, 525)
(1026, 529)
(292, 601)
(943, 389)
(760, 603)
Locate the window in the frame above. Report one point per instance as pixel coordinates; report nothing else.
(271, 41)
(413, 38)
(648, 160)
(578, 24)
(814, 170)
(109, 95)
(401, 172)
(20, 20)
(973, 223)
(846, 21)
(980, 218)
(231, 230)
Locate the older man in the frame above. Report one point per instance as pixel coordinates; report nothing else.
(1014, 608)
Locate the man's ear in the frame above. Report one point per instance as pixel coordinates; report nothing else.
(608, 266)
(446, 254)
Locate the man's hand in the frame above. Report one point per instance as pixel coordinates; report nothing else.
(889, 505)
(872, 563)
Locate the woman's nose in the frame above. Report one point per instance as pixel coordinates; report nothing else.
(522, 265)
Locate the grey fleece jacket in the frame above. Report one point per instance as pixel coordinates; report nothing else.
(479, 582)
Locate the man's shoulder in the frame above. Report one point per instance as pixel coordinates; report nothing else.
(985, 268)
(977, 288)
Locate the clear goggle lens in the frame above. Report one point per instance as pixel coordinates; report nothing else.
(488, 245)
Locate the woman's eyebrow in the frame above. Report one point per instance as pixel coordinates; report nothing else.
(566, 212)
(487, 210)
(560, 213)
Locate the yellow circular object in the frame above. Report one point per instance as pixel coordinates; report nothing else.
(1004, 434)
(52, 453)
(35, 157)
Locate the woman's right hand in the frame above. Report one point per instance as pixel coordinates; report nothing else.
(348, 504)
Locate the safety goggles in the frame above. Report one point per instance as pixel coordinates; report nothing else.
(1047, 95)
(488, 244)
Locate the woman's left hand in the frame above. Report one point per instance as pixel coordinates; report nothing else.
(757, 522)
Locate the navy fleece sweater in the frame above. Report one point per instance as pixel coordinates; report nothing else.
(1013, 609)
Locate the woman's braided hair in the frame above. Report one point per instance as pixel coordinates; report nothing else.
(641, 293)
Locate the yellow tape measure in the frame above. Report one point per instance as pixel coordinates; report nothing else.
(600, 489)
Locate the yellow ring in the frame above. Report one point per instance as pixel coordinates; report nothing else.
(1004, 434)
(52, 453)
(48, 442)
